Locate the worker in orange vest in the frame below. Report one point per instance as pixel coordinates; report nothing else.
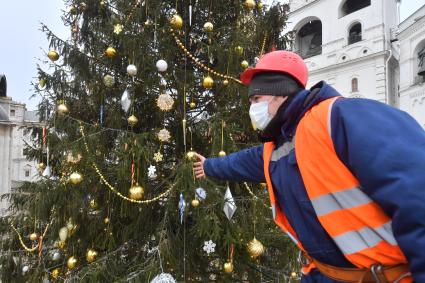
(345, 176)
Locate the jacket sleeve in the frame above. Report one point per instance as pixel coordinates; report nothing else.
(245, 165)
(385, 149)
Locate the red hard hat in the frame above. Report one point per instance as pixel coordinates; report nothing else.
(279, 61)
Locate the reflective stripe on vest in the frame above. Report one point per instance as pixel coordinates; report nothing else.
(359, 227)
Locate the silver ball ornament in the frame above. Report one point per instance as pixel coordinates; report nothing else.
(25, 269)
(161, 65)
(131, 70)
(56, 256)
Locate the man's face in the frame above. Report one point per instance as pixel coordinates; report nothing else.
(274, 101)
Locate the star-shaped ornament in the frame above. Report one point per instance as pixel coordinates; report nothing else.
(158, 157)
(118, 28)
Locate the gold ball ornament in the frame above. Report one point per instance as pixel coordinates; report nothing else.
(61, 244)
(239, 50)
(208, 27)
(136, 192)
(42, 83)
(55, 273)
(192, 105)
(75, 29)
(132, 120)
(176, 22)
(244, 64)
(93, 204)
(83, 6)
(73, 10)
(191, 155)
(75, 178)
(255, 248)
(33, 236)
(226, 82)
(195, 202)
(260, 5)
(41, 166)
(111, 52)
(53, 55)
(222, 153)
(62, 109)
(208, 82)
(106, 220)
(71, 262)
(91, 255)
(293, 274)
(228, 267)
(249, 4)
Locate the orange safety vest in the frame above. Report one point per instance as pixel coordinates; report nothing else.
(358, 226)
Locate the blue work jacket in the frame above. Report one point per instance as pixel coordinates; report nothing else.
(382, 146)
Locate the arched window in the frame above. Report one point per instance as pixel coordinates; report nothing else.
(3, 86)
(351, 6)
(355, 33)
(419, 63)
(354, 85)
(308, 42)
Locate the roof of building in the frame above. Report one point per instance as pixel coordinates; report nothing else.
(412, 19)
(31, 116)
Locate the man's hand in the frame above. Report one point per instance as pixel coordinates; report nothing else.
(198, 166)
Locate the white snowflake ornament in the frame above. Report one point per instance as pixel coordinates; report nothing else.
(163, 278)
(209, 247)
(152, 172)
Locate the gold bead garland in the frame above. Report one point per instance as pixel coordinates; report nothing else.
(21, 241)
(199, 64)
(252, 194)
(113, 189)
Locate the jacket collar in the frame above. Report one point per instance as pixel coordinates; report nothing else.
(302, 102)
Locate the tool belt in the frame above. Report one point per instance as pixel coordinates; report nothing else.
(376, 274)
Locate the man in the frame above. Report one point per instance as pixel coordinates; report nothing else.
(346, 177)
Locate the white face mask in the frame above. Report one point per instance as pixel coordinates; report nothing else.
(259, 113)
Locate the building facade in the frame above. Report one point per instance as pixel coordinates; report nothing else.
(412, 65)
(15, 168)
(360, 48)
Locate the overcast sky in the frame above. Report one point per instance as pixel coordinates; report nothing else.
(21, 41)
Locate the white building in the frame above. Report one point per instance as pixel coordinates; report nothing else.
(354, 45)
(412, 43)
(15, 168)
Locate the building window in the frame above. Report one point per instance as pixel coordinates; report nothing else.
(355, 33)
(12, 112)
(351, 6)
(27, 173)
(354, 85)
(308, 42)
(419, 63)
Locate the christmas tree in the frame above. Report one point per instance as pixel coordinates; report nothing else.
(126, 101)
